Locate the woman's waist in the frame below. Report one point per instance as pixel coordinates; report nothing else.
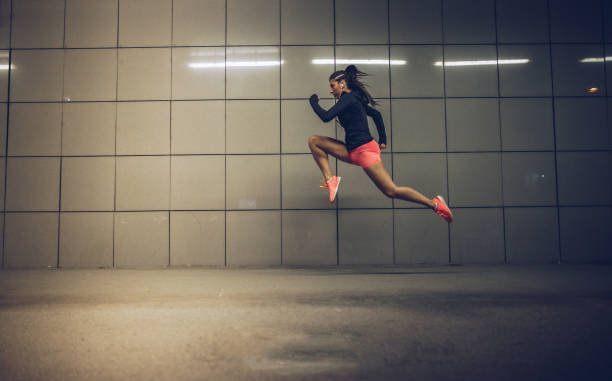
(356, 144)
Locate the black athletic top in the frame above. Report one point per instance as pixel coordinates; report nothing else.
(352, 109)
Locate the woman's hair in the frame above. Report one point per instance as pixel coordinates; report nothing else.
(352, 75)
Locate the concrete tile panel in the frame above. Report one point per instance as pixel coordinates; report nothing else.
(38, 24)
(143, 183)
(527, 124)
(585, 234)
(144, 74)
(253, 72)
(91, 23)
(532, 235)
(198, 22)
(35, 129)
(198, 127)
(30, 240)
(253, 22)
(197, 238)
(88, 183)
(309, 237)
(198, 73)
(33, 184)
(141, 239)
(299, 122)
(198, 182)
(418, 125)
(253, 238)
(90, 75)
(421, 236)
(145, 22)
(529, 178)
(413, 71)
(36, 77)
(86, 240)
(305, 71)
(468, 21)
(89, 128)
(365, 237)
(522, 21)
(477, 236)
(472, 124)
(361, 22)
(253, 127)
(306, 23)
(415, 21)
(253, 182)
(143, 128)
(474, 179)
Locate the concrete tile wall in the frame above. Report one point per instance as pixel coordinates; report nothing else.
(141, 133)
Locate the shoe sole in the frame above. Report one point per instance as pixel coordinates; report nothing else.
(451, 213)
(336, 191)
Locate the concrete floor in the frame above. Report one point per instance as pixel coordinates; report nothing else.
(418, 323)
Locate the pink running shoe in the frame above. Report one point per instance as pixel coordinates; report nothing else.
(332, 185)
(442, 209)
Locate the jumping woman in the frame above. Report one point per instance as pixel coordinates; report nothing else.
(360, 149)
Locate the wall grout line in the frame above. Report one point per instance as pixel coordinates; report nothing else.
(390, 146)
(319, 45)
(336, 136)
(554, 126)
(496, 206)
(61, 161)
(115, 214)
(600, 150)
(605, 52)
(302, 99)
(499, 131)
(225, 140)
(280, 123)
(170, 134)
(6, 135)
(448, 230)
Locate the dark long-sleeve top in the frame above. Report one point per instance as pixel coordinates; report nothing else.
(352, 110)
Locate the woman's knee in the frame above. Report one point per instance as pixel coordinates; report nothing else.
(312, 140)
(390, 192)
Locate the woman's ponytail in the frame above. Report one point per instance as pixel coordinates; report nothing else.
(351, 74)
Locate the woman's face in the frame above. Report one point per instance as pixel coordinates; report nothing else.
(336, 88)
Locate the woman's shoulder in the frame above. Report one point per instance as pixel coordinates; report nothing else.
(360, 96)
(354, 96)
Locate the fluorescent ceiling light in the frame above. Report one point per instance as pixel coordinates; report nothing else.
(330, 61)
(482, 62)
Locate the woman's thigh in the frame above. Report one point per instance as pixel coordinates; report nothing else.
(380, 177)
(334, 147)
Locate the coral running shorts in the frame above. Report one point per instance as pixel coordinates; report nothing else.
(366, 154)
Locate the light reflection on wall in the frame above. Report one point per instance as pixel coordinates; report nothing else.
(321, 61)
(596, 59)
(204, 65)
(330, 61)
(483, 62)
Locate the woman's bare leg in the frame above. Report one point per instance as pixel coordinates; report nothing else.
(320, 146)
(383, 181)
